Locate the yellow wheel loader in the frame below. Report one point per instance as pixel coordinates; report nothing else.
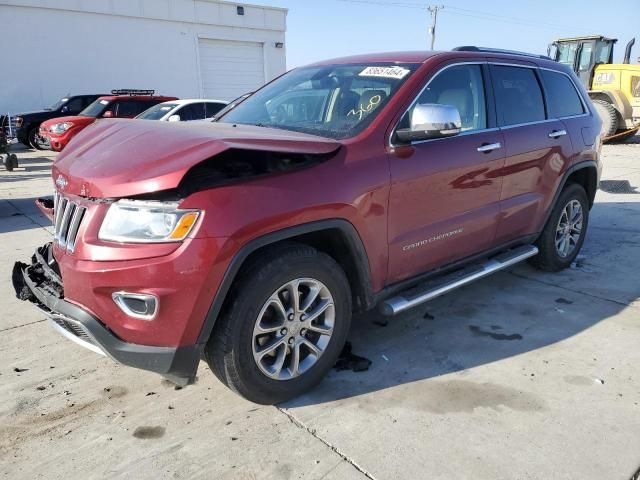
(613, 87)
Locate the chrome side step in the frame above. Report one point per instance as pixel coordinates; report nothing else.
(439, 286)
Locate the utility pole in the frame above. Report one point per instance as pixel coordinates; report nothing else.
(434, 19)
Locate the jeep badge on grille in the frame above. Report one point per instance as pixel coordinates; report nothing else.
(61, 182)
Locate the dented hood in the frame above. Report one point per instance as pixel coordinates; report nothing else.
(115, 158)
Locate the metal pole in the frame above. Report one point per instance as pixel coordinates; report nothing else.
(434, 19)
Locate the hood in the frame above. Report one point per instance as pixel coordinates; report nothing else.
(115, 158)
(76, 119)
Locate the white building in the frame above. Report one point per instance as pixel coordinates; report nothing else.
(183, 48)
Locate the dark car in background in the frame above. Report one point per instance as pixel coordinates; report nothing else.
(24, 126)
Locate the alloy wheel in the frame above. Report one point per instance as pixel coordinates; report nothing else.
(293, 328)
(569, 228)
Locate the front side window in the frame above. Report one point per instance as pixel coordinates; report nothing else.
(562, 98)
(460, 86)
(518, 95)
(335, 101)
(131, 108)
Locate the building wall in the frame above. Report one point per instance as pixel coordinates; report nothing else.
(52, 48)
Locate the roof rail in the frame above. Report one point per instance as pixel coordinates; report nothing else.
(471, 48)
(131, 91)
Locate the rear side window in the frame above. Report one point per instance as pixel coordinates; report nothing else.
(562, 98)
(518, 95)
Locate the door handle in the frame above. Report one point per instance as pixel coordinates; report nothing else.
(489, 147)
(557, 133)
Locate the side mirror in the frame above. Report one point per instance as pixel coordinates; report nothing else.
(431, 120)
(107, 114)
(174, 118)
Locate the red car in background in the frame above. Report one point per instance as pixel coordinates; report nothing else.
(57, 132)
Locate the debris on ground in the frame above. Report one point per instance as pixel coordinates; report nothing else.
(380, 321)
(386, 359)
(349, 361)
(478, 332)
(20, 370)
(564, 301)
(428, 316)
(41, 387)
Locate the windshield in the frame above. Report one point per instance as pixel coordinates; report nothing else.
(335, 101)
(567, 54)
(230, 106)
(157, 111)
(95, 109)
(58, 104)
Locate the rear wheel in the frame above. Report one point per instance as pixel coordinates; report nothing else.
(564, 233)
(284, 326)
(609, 117)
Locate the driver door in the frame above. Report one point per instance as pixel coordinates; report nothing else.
(445, 192)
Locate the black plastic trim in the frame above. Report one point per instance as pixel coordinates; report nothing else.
(355, 244)
(572, 169)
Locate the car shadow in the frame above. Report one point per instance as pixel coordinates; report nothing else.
(508, 314)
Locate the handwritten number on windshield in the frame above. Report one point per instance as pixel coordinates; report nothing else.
(373, 103)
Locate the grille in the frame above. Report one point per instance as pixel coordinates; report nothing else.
(68, 216)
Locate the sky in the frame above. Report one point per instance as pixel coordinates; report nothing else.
(323, 29)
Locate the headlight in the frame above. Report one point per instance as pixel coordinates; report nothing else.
(146, 222)
(19, 122)
(61, 127)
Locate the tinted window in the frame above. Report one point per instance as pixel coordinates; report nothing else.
(461, 86)
(562, 98)
(74, 105)
(131, 108)
(194, 111)
(212, 108)
(518, 95)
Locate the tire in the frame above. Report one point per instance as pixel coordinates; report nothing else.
(609, 117)
(33, 143)
(234, 348)
(10, 162)
(551, 258)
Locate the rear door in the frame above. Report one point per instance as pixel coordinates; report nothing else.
(444, 198)
(537, 147)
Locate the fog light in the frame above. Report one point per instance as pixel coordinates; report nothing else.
(137, 305)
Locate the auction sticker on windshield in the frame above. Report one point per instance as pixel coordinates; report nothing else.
(385, 72)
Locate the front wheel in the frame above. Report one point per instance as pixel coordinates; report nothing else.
(33, 139)
(284, 326)
(564, 233)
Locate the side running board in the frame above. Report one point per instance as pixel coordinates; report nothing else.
(439, 286)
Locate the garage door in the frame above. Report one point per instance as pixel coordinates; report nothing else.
(230, 69)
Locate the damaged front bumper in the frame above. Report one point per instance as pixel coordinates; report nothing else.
(41, 284)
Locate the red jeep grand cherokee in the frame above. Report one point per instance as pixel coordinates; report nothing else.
(57, 132)
(376, 180)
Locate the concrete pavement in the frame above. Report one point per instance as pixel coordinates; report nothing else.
(525, 375)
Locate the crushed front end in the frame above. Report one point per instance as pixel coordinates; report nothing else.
(41, 283)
